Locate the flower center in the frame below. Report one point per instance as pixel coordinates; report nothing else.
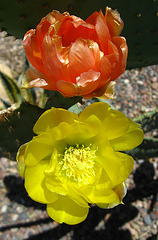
(77, 164)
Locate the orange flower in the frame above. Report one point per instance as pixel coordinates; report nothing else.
(76, 57)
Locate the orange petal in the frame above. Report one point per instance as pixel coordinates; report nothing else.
(74, 28)
(106, 70)
(92, 18)
(105, 92)
(102, 32)
(114, 22)
(55, 59)
(32, 52)
(68, 89)
(88, 81)
(113, 55)
(41, 29)
(82, 57)
(55, 15)
(34, 78)
(120, 43)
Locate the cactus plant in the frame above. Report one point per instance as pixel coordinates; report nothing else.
(149, 146)
(148, 149)
(16, 125)
(141, 21)
(148, 121)
(140, 17)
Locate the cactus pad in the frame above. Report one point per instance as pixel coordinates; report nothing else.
(140, 18)
(16, 127)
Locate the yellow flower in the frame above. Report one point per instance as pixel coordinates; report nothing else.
(74, 160)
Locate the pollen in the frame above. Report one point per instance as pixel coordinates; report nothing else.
(77, 164)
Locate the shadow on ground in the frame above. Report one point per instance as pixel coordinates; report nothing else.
(100, 223)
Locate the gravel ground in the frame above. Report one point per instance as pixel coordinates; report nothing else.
(21, 218)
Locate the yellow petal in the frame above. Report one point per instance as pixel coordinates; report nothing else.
(93, 124)
(115, 124)
(127, 141)
(52, 118)
(82, 132)
(120, 191)
(104, 181)
(117, 165)
(99, 109)
(67, 211)
(51, 181)
(35, 183)
(100, 196)
(38, 148)
(20, 159)
(76, 195)
(108, 160)
(126, 166)
(55, 185)
(61, 131)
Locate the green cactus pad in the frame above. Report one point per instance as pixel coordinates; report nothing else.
(147, 149)
(140, 18)
(16, 127)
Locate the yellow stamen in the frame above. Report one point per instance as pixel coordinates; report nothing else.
(77, 164)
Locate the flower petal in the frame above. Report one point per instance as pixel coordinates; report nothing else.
(92, 18)
(106, 70)
(88, 81)
(115, 124)
(102, 32)
(35, 184)
(81, 57)
(38, 148)
(128, 141)
(41, 29)
(109, 160)
(73, 28)
(34, 78)
(100, 110)
(120, 43)
(53, 117)
(117, 165)
(104, 92)
(67, 211)
(126, 166)
(76, 196)
(32, 52)
(20, 159)
(114, 22)
(54, 185)
(96, 196)
(68, 89)
(121, 191)
(55, 58)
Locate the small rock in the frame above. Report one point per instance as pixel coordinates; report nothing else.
(154, 85)
(147, 219)
(4, 209)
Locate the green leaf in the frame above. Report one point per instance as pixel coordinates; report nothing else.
(5, 103)
(12, 89)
